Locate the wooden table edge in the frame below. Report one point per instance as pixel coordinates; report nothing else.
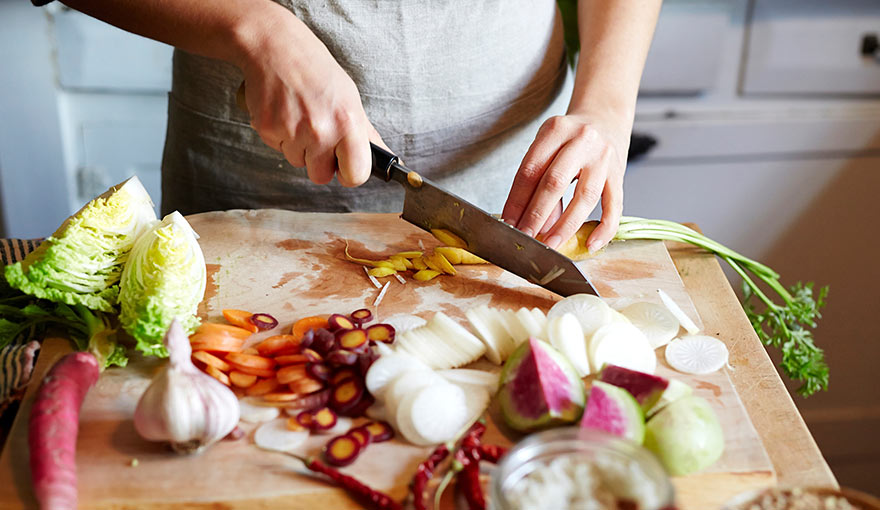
(795, 456)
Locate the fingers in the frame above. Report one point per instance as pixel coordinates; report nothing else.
(555, 181)
(539, 156)
(553, 218)
(320, 165)
(612, 208)
(354, 159)
(586, 197)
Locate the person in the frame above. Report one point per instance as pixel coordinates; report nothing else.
(459, 90)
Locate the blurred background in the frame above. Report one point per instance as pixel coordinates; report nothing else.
(762, 117)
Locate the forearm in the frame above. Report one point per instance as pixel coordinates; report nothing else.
(614, 38)
(229, 30)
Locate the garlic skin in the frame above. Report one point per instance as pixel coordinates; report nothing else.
(183, 405)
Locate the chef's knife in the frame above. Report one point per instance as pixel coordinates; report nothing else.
(427, 206)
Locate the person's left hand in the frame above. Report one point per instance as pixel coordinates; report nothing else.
(589, 148)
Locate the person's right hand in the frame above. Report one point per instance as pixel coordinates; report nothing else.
(303, 103)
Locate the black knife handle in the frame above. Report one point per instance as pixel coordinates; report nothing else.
(382, 161)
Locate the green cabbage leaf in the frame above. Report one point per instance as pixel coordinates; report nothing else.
(164, 278)
(82, 262)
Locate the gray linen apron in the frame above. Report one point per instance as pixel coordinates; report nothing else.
(457, 89)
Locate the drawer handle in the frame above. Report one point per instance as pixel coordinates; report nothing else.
(870, 45)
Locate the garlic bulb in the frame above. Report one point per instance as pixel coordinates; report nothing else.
(183, 405)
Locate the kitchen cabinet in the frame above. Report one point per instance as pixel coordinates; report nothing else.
(813, 47)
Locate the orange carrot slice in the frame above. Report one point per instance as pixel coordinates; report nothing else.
(262, 387)
(281, 396)
(214, 343)
(306, 385)
(278, 343)
(293, 424)
(241, 379)
(217, 374)
(292, 359)
(303, 325)
(290, 373)
(251, 360)
(216, 328)
(240, 318)
(209, 359)
(266, 373)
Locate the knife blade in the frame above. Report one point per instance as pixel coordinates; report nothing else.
(428, 206)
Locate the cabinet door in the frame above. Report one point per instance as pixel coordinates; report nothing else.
(687, 48)
(813, 47)
(747, 204)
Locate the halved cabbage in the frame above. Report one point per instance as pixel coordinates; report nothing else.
(164, 279)
(81, 263)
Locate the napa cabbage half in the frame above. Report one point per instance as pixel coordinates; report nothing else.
(82, 262)
(164, 279)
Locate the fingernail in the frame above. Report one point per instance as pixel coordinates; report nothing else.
(529, 232)
(508, 221)
(594, 246)
(553, 241)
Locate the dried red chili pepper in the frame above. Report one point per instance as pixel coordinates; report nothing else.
(366, 496)
(469, 478)
(424, 473)
(492, 452)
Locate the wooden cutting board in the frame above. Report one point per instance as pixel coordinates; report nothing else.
(291, 265)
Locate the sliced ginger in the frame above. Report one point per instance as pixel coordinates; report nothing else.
(425, 266)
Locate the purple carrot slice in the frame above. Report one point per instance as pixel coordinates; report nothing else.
(381, 333)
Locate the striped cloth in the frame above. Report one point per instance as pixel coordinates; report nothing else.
(16, 361)
(13, 250)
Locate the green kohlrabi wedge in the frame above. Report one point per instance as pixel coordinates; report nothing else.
(164, 279)
(81, 263)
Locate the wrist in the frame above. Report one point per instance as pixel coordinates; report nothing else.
(254, 31)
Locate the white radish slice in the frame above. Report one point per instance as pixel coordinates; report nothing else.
(403, 322)
(469, 347)
(696, 354)
(386, 368)
(433, 414)
(343, 425)
(590, 311)
(275, 435)
(654, 320)
(471, 377)
(622, 344)
(514, 328)
(539, 316)
(476, 401)
(406, 383)
(528, 322)
(679, 314)
(565, 333)
(435, 352)
(252, 412)
(619, 317)
(488, 331)
(382, 349)
(502, 319)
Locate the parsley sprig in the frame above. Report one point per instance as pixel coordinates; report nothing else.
(787, 325)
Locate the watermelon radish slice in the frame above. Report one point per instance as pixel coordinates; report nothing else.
(615, 411)
(646, 388)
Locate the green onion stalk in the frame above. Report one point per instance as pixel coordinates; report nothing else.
(784, 321)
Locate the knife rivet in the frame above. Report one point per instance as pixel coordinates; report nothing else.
(414, 179)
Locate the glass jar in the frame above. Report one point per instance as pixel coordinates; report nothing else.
(609, 453)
